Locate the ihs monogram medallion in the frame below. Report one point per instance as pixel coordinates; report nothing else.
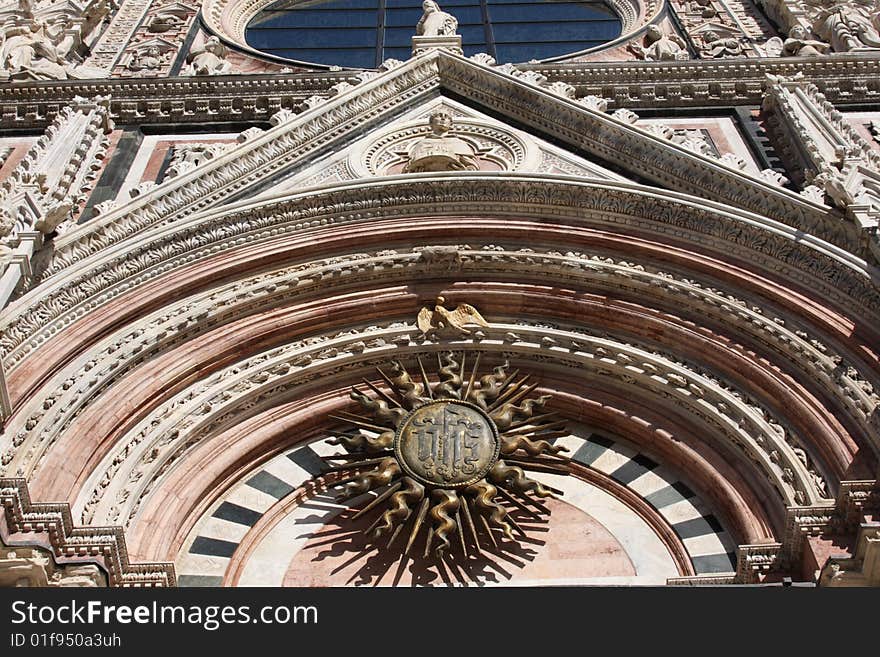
(447, 443)
(449, 457)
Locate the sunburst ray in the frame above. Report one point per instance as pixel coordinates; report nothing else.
(449, 457)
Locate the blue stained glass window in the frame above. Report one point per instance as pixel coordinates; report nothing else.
(363, 33)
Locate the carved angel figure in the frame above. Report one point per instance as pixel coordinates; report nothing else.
(210, 59)
(441, 321)
(32, 51)
(660, 46)
(714, 45)
(435, 21)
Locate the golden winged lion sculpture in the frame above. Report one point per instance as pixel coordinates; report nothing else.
(440, 321)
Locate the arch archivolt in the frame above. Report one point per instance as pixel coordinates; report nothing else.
(85, 377)
(631, 209)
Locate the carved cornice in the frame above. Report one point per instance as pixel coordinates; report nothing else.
(843, 79)
(143, 101)
(29, 523)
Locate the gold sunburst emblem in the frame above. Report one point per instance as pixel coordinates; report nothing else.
(451, 455)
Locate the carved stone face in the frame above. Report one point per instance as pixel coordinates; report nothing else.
(654, 33)
(797, 32)
(440, 123)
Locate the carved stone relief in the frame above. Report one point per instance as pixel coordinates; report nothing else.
(493, 148)
(32, 567)
(188, 156)
(659, 45)
(151, 50)
(208, 59)
(45, 41)
(720, 29)
(844, 26)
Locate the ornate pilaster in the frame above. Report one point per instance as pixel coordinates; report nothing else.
(44, 191)
(111, 44)
(827, 155)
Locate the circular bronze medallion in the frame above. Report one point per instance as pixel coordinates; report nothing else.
(447, 443)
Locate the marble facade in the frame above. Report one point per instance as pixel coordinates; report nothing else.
(202, 249)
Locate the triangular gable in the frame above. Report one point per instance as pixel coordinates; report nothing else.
(383, 151)
(519, 98)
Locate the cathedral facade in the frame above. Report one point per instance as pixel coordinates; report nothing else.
(354, 292)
